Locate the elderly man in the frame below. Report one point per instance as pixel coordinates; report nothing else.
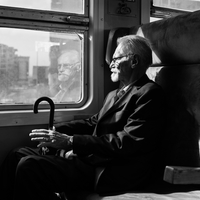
(116, 150)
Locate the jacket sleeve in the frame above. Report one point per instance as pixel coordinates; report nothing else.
(81, 127)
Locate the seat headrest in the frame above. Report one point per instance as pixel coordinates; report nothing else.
(174, 40)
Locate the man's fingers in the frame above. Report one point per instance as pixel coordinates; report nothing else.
(35, 134)
(40, 130)
(41, 139)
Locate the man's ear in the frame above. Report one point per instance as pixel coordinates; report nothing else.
(135, 60)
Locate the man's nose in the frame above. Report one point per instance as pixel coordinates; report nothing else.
(61, 67)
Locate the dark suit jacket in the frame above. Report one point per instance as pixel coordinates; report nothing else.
(122, 140)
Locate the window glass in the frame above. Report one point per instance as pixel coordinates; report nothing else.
(70, 6)
(38, 63)
(187, 5)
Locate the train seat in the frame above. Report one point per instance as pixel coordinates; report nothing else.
(176, 67)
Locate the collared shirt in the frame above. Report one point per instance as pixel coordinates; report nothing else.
(123, 90)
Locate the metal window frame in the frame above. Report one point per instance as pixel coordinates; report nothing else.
(32, 19)
(163, 13)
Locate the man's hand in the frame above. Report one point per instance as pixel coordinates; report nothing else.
(51, 138)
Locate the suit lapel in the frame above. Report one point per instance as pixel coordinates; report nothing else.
(112, 105)
(122, 100)
(108, 104)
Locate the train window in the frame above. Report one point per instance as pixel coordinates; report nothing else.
(39, 63)
(161, 9)
(42, 53)
(187, 5)
(75, 6)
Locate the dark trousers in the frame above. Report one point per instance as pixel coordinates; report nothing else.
(26, 174)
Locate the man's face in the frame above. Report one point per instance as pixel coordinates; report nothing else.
(66, 63)
(120, 65)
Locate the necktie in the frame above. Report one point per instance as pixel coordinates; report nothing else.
(119, 94)
(112, 101)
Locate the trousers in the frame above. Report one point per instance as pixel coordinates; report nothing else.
(26, 174)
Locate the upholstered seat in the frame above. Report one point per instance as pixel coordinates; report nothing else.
(176, 67)
(176, 58)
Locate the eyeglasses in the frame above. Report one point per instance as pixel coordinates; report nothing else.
(117, 58)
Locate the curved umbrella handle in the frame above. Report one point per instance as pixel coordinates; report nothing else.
(52, 107)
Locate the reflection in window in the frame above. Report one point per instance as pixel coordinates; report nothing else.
(38, 63)
(71, 6)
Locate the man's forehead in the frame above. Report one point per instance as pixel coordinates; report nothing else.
(119, 50)
(69, 57)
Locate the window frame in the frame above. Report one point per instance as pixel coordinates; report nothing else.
(32, 19)
(163, 13)
(95, 60)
